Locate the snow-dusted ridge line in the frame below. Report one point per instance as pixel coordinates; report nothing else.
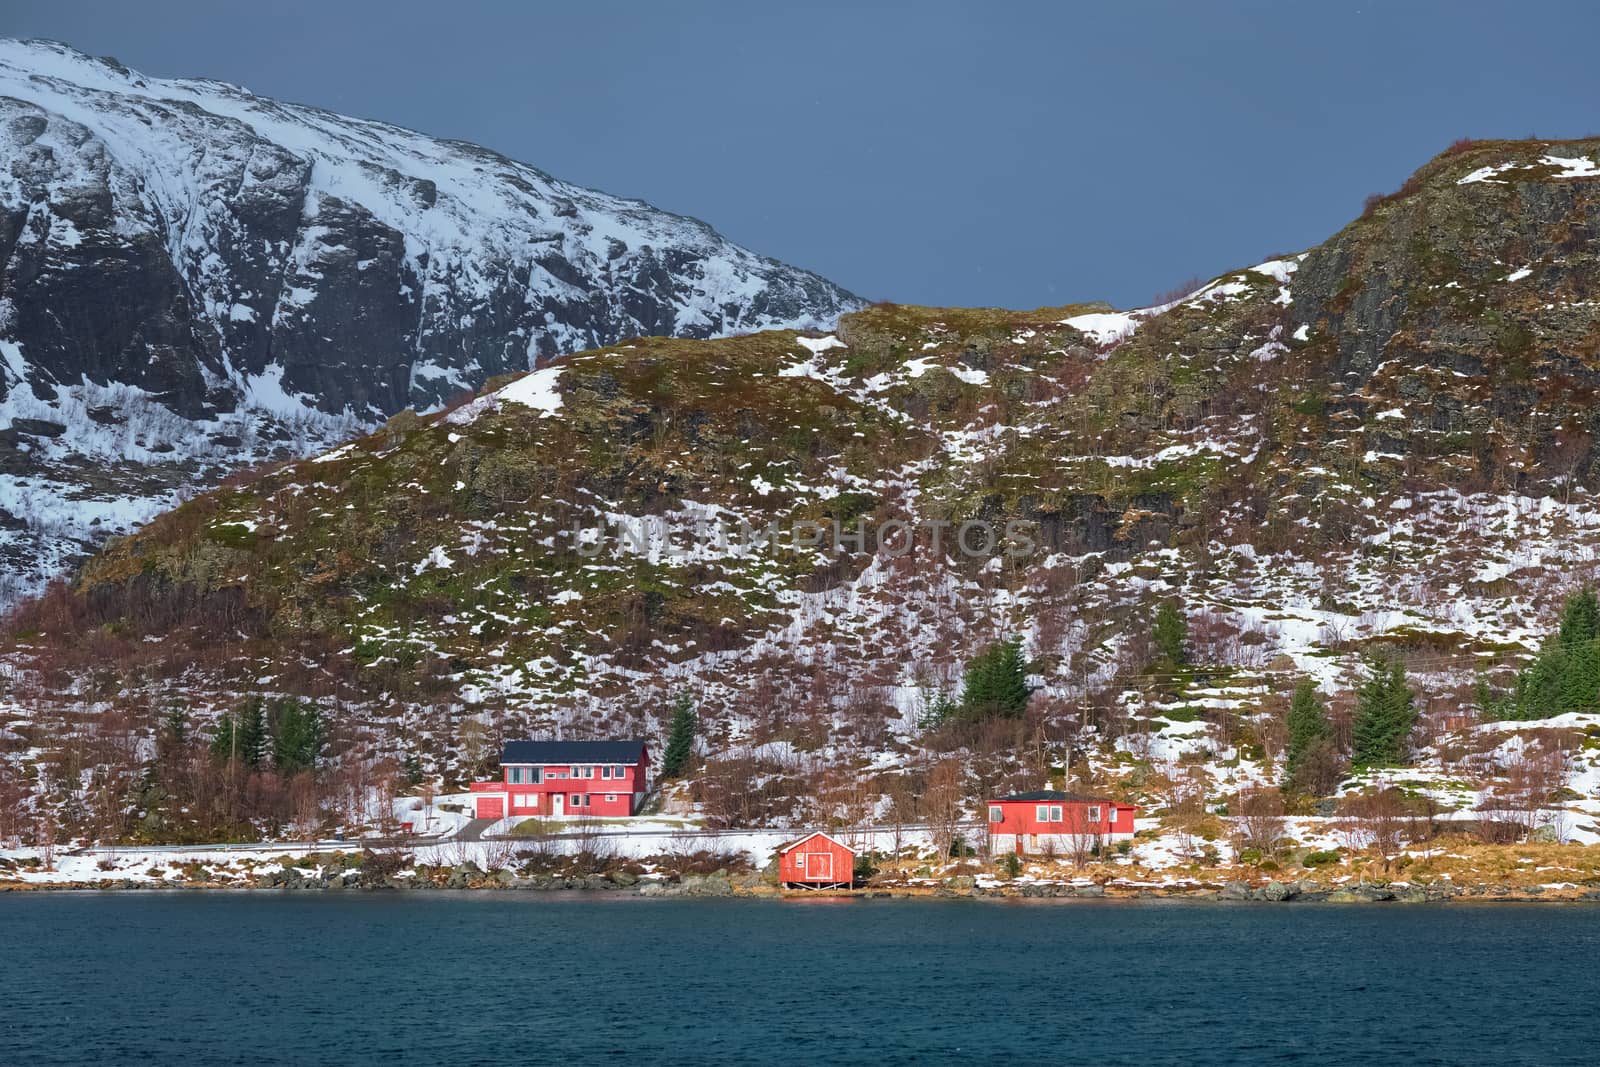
(47, 73)
(1110, 328)
(1566, 167)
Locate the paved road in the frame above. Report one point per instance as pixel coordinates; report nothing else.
(472, 831)
(604, 831)
(336, 844)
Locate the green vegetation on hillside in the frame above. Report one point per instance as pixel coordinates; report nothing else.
(1566, 674)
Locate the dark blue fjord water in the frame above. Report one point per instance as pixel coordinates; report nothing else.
(499, 978)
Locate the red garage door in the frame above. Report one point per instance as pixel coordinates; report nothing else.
(491, 808)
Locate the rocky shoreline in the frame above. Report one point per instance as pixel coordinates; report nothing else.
(468, 876)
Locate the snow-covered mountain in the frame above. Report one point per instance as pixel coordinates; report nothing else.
(194, 278)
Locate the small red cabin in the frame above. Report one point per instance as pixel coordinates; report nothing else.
(816, 861)
(1050, 821)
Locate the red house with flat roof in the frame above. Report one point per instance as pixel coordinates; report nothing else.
(1049, 820)
(566, 779)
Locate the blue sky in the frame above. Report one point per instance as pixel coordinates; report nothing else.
(995, 154)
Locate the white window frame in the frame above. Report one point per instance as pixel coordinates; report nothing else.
(1055, 813)
(996, 813)
(611, 798)
(1041, 813)
(1091, 812)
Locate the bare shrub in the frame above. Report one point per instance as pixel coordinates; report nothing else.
(1185, 288)
(1185, 798)
(1378, 818)
(1260, 819)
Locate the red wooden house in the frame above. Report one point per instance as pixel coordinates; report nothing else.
(565, 779)
(816, 861)
(1048, 821)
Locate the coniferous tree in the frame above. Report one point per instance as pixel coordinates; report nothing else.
(1385, 714)
(173, 735)
(938, 711)
(412, 768)
(995, 684)
(1580, 619)
(297, 736)
(1171, 634)
(680, 738)
(1309, 729)
(241, 735)
(175, 727)
(1566, 674)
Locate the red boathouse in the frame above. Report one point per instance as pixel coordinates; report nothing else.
(1048, 820)
(816, 861)
(565, 779)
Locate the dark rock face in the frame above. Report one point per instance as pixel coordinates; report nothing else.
(1471, 292)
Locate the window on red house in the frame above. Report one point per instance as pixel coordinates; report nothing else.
(611, 798)
(1055, 813)
(996, 813)
(1092, 813)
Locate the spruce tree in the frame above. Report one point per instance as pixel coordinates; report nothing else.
(680, 738)
(297, 736)
(995, 684)
(1385, 713)
(1308, 728)
(222, 737)
(1171, 634)
(241, 735)
(1565, 676)
(1580, 619)
(1579, 638)
(938, 711)
(175, 727)
(253, 733)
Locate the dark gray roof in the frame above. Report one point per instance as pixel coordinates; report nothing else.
(1057, 795)
(562, 752)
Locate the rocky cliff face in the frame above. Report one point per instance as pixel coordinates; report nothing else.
(1458, 316)
(194, 278)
